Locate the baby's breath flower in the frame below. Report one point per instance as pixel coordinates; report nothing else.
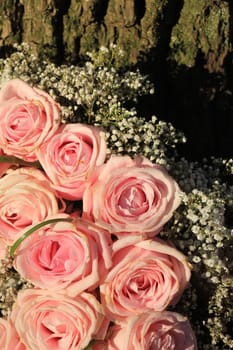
(10, 283)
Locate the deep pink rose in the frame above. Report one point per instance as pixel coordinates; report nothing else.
(65, 256)
(48, 320)
(145, 276)
(70, 156)
(26, 198)
(9, 339)
(28, 117)
(153, 331)
(130, 195)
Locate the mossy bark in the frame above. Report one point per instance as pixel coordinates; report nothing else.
(70, 28)
(184, 45)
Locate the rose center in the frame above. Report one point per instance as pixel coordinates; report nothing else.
(75, 154)
(54, 325)
(12, 217)
(133, 201)
(164, 341)
(21, 121)
(60, 257)
(48, 255)
(138, 284)
(69, 155)
(16, 215)
(58, 330)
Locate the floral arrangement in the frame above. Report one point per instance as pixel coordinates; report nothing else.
(108, 239)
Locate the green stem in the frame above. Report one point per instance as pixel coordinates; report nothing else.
(15, 160)
(33, 229)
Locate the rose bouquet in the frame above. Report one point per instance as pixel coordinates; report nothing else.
(78, 156)
(81, 227)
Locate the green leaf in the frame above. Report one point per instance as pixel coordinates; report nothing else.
(33, 229)
(15, 160)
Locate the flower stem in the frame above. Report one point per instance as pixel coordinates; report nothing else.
(33, 229)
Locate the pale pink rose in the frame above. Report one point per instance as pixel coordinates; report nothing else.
(28, 117)
(3, 249)
(155, 331)
(70, 156)
(69, 257)
(145, 276)
(26, 198)
(130, 195)
(9, 339)
(48, 320)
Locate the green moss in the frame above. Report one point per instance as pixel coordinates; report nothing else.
(72, 28)
(203, 27)
(184, 35)
(88, 40)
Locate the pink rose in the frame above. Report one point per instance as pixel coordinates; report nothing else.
(155, 330)
(48, 320)
(130, 195)
(28, 117)
(145, 276)
(26, 198)
(9, 339)
(65, 256)
(70, 156)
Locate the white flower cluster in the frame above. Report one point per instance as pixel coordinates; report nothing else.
(221, 315)
(206, 234)
(98, 94)
(127, 133)
(203, 229)
(10, 283)
(81, 90)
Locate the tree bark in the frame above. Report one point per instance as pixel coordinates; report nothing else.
(184, 45)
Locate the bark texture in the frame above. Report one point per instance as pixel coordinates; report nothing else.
(184, 45)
